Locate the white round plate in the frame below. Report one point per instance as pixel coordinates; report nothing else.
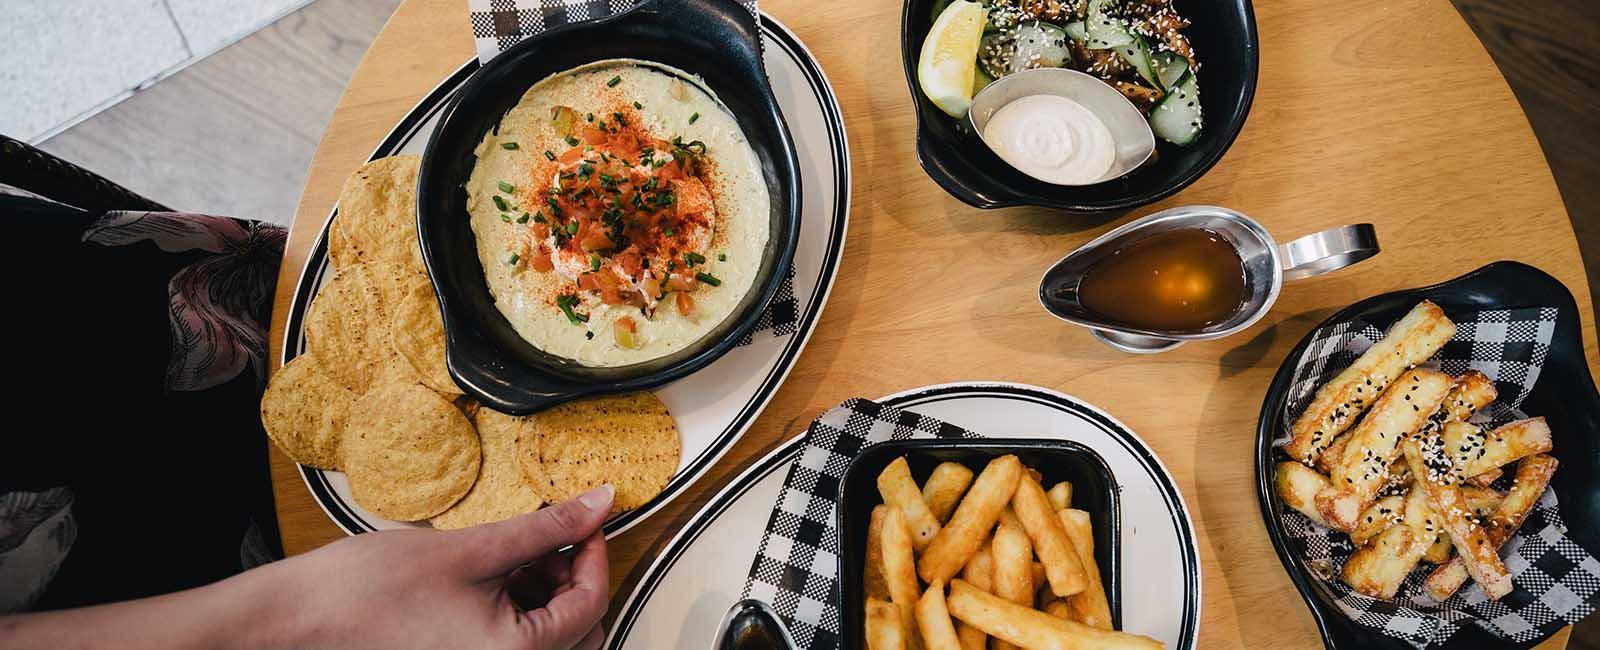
(714, 406)
(698, 575)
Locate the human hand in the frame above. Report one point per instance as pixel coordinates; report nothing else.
(500, 585)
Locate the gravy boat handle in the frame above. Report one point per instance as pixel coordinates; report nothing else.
(1329, 250)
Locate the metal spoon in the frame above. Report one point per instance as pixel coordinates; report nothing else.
(751, 625)
(1129, 129)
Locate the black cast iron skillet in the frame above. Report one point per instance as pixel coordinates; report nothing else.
(1094, 490)
(1565, 395)
(1223, 33)
(717, 40)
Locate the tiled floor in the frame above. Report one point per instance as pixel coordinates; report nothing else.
(63, 60)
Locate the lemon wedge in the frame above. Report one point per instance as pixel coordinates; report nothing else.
(949, 60)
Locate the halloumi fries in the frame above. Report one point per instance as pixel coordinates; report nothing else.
(884, 629)
(1062, 565)
(1383, 513)
(1533, 476)
(1402, 410)
(1030, 628)
(1090, 606)
(972, 520)
(1379, 568)
(944, 488)
(900, 492)
(1298, 486)
(1434, 476)
(1474, 451)
(1412, 340)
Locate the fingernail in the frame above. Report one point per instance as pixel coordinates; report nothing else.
(598, 498)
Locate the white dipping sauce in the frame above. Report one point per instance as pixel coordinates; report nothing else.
(1053, 139)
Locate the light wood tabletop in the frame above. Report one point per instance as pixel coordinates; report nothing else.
(1389, 112)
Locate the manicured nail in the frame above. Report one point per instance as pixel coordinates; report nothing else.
(598, 498)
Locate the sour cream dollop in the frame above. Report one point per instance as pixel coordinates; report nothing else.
(1053, 139)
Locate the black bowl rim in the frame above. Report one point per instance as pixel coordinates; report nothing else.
(1015, 199)
(999, 446)
(704, 350)
(1278, 390)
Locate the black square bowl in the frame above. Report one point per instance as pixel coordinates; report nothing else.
(1223, 33)
(1564, 395)
(1094, 490)
(717, 41)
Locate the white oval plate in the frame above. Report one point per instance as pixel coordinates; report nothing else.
(712, 407)
(698, 575)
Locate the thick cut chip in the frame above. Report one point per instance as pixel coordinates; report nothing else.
(629, 441)
(419, 337)
(409, 453)
(502, 492)
(377, 219)
(305, 410)
(347, 328)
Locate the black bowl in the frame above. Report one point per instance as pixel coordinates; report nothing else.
(719, 41)
(1224, 36)
(1565, 395)
(1094, 490)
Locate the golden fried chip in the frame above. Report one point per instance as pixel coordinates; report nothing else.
(409, 453)
(377, 218)
(419, 338)
(502, 491)
(629, 441)
(305, 410)
(347, 328)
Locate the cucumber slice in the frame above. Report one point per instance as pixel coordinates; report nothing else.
(1177, 117)
(1076, 31)
(1137, 54)
(1169, 68)
(1105, 30)
(1030, 45)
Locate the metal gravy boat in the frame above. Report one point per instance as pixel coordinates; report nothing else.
(1266, 266)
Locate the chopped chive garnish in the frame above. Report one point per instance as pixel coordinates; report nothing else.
(508, 145)
(693, 258)
(538, 217)
(524, 218)
(621, 121)
(571, 141)
(722, 257)
(513, 258)
(566, 302)
(589, 117)
(694, 118)
(500, 202)
(708, 279)
(507, 187)
(572, 228)
(505, 217)
(670, 231)
(549, 155)
(588, 335)
(594, 261)
(637, 105)
(614, 81)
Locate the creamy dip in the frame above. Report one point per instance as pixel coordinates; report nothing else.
(1053, 139)
(620, 214)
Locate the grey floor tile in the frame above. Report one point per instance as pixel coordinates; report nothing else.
(233, 134)
(62, 58)
(210, 24)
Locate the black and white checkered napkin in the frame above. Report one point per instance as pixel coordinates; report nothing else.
(499, 24)
(796, 569)
(1558, 582)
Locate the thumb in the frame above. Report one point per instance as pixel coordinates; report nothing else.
(506, 545)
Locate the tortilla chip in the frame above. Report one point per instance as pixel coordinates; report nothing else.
(501, 491)
(419, 338)
(629, 441)
(305, 411)
(409, 453)
(347, 328)
(377, 218)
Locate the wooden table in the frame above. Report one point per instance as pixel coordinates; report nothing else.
(1382, 111)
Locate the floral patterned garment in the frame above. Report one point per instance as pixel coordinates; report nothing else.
(132, 460)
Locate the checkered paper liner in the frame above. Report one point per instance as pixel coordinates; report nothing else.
(796, 568)
(1558, 582)
(499, 24)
